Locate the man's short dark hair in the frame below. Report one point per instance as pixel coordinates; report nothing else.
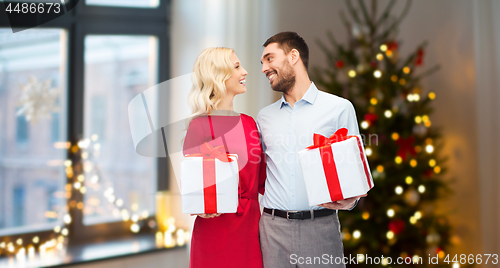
(288, 41)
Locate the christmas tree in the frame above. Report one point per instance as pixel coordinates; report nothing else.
(398, 218)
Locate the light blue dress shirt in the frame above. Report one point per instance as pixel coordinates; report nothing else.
(286, 130)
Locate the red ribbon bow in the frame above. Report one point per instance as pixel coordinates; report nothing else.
(320, 140)
(327, 159)
(207, 151)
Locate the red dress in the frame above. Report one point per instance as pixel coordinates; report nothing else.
(232, 239)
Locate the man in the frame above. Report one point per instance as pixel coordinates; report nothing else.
(292, 233)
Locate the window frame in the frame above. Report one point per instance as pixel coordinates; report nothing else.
(85, 20)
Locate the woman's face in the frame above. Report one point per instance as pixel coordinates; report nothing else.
(236, 83)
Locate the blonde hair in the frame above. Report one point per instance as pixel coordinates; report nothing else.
(210, 72)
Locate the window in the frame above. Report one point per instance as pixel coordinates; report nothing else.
(55, 127)
(94, 59)
(18, 206)
(125, 3)
(109, 60)
(22, 129)
(30, 162)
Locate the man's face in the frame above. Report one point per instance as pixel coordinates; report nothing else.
(277, 69)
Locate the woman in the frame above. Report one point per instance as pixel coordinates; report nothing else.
(230, 239)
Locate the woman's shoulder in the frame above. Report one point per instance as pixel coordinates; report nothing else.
(247, 118)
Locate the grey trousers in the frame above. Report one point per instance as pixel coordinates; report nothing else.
(301, 243)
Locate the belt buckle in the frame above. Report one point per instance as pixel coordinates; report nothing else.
(292, 211)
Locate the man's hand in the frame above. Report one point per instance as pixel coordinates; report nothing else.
(342, 204)
(208, 216)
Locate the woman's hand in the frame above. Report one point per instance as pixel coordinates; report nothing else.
(207, 216)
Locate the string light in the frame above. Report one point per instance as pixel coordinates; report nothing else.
(368, 151)
(429, 148)
(432, 95)
(65, 232)
(390, 235)
(398, 159)
(346, 236)
(373, 101)
(135, 228)
(421, 189)
(409, 180)
(394, 78)
(418, 215)
(377, 74)
(456, 265)
(402, 81)
(364, 125)
(383, 47)
(418, 119)
(406, 70)
(413, 163)
(437, 169)
(413, 97)
(356, 234)
(67, 219)
(380, 56)
(398, 190)
(413, 220)
(390, 213)
(180, 237)
(94, 179)
(365, 215)
(432, 163)
(352, 73)
(380, 168)
(395, 136)
(45, 249)
(10, 247)
(388, 113)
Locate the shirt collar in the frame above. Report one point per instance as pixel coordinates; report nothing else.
(309, 96)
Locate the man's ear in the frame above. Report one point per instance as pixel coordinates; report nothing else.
(294, 56)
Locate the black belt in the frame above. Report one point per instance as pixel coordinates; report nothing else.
(299, 215)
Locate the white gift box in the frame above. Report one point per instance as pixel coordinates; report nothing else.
(226, 184)
(348, 175)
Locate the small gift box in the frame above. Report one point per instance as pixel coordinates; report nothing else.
(335, 168)
(209, 181)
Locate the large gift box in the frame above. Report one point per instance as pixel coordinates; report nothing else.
(209, 181)
(335, 168)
